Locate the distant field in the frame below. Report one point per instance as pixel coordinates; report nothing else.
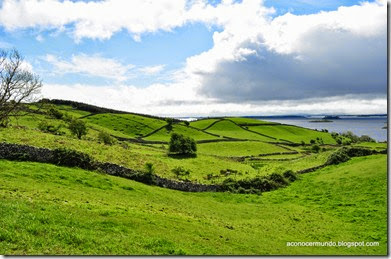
(242, 148)
(164, 134)
(240, 120)
(372, 145)
(127, 124)
(203, 123)
(47, 209)
(229, 129)
(293, 133)
(72, 111)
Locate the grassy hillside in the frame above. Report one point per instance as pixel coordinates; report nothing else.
(248, 121)
(293, 133)
(212, 159)
(203, 123)
(229, 129)
(239, 149)
(52, 210)
(126, 124)
(164, 134)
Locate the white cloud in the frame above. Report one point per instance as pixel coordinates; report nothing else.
(100, 20)
(254, 58)
(92, 66)
(177, 100)
(151, 70)
(296, 56)
(96, 20)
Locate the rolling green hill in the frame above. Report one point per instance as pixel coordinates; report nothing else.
(229, 129)
(164, 135)
(293, 133)
(46, 209)
(53, 210)
(126, 124)
(203, 123)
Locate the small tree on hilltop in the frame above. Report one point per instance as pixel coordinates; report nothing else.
(169, 121)
(182, 145)
(78, 128)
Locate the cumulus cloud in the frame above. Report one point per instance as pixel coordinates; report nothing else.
(297, 57)
(96, 20)
(177, 100)
(100, 20)
(91, 65)
(328, 61)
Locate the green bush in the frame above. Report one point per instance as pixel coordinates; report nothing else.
(180, 172)
(259, 184)
(149, 167)
(72, 158)
(67, 117)
(350, 135)
(290, 175)
(105, 138)
(180, 144)
(339, 156)
(278, 179)
(358, 151)
(315, 148)
(366, 138)
(45, 126)
(144, 177)
(53, 112)
(78, 128)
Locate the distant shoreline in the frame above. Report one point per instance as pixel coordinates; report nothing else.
(320, 120)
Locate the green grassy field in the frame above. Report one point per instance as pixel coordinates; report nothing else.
(244, 121)
(203, 124)
(126, 124)
(293, 133)
(51, 210)
(47, 209)
(164, 134)
(229, 129)
(239, 149)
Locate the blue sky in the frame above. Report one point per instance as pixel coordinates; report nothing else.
(169, 52)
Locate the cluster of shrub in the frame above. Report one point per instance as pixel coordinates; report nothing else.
(259, 184)
(344, 154)
(315, 145)
(347, 138)
(181, 172)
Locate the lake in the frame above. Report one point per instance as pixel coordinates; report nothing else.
(371, 126)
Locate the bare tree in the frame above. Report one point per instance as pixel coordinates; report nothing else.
(18, 85)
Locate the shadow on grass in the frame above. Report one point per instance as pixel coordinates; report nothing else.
(182, 156)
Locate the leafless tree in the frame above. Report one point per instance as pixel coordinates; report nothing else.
(18, 85)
